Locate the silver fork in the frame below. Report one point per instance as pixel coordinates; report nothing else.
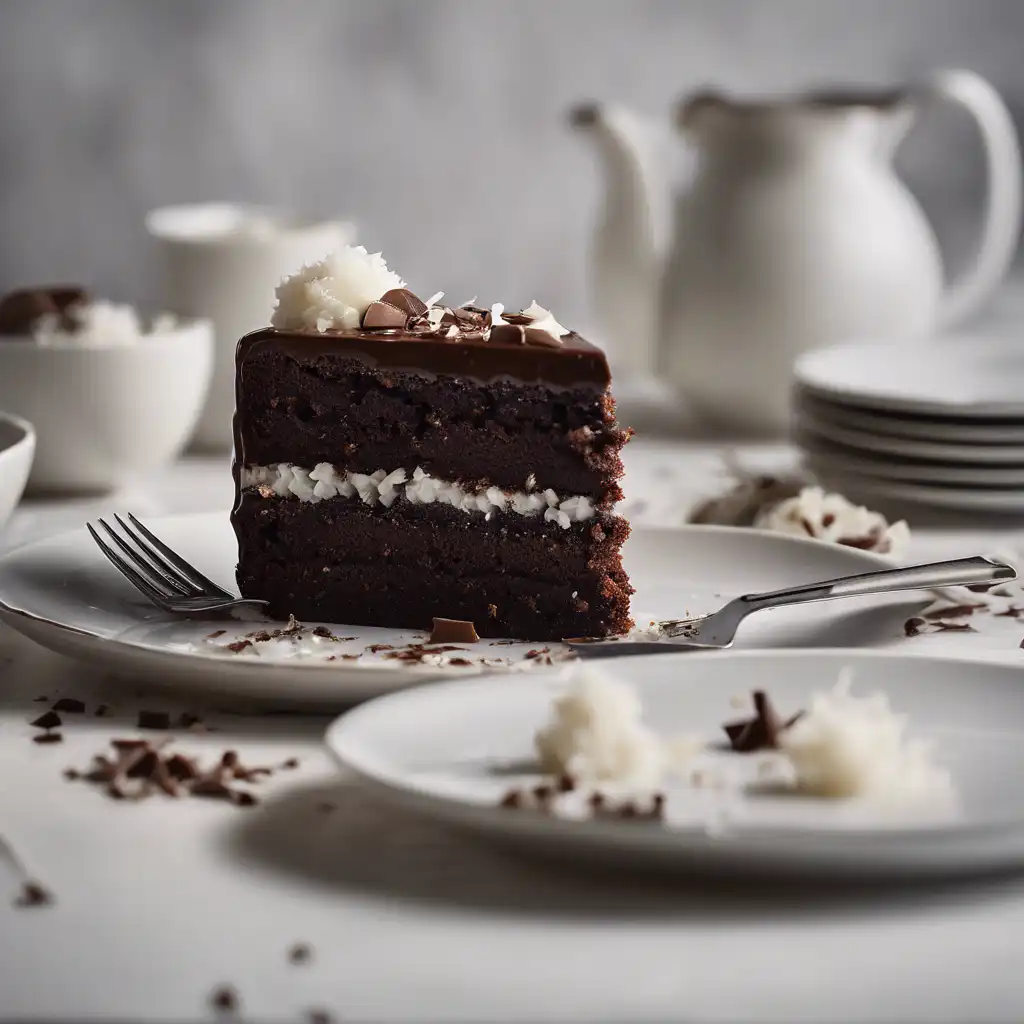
(718, 630)
(161, 573)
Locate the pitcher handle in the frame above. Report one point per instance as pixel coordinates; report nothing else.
(1001, 228)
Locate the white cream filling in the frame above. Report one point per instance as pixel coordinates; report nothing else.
(324, 481)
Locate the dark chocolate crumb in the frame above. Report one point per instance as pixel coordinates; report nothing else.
(292, 762)
(954, 627)
(514, 797)
(224, 999)
(543, 793)
(72, 774)
(912, 627)
(245, 799)
(240, 645)
(322, 631)
(300, 953)
(48, 737)
(216, 633)
(377, 648)
(70, 705)
(566, 784)
(153, 720)
(33, 895)
(48, 720)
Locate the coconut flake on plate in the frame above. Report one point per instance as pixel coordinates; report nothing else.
(597, 734)
(828, 516)
(846, 746)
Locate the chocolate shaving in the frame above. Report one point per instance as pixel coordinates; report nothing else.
(953, 611)
(69, 705)
(159, 720)
(224, 999)
(1013, 612)
(33, 895)
(47, 720)
(300, 953)
(405, 300)
(216, 633)
(453, 631)
(20, 309)
(48, 737)
(912, 627)
(542, 338)
(240, 645)
(954, 627)
(384, 315)
(760, 732)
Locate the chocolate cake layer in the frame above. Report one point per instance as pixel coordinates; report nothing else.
(343, 561)
(319, 404)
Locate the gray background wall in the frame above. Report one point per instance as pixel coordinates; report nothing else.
(437, 125)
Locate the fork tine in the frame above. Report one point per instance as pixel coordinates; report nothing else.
(175, 579)
(152, 572)
(137, 581)
(178, 562)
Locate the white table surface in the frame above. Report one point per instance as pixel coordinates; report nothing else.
(157, 903)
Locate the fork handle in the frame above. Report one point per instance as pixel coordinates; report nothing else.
(958, 572)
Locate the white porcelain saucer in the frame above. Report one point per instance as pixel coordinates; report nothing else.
(960, 377)
(478, 745)
(982, 456)
(972, 432)
(62, 593)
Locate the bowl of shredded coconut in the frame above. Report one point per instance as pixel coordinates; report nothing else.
(113, 395)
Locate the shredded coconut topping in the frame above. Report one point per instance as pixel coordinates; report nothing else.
(828, 516)
(597, 735)
(98, 323)
(334, 293)
(324, 481)
(856, 746)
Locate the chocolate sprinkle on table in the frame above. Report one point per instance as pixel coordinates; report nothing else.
(48, 720)
(70, 705)
(48, 737)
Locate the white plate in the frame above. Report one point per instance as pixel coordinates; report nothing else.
(479, 744)
(62, 593)
(886, 467)
(984, 455)
(950, 377)
(866, 489)
(971, 433)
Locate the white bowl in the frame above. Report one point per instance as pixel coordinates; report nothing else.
(17, 446)
(106, 415)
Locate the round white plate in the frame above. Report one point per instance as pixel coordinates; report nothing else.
(478, 745)
(952, 377)
(983, 455)
(971, 433)
(63, 593)
(886, 467)
(866, 489)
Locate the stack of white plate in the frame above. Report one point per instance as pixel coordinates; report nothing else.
(937, 422)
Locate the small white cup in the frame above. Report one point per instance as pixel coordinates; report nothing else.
(106, 415)
(223, 261)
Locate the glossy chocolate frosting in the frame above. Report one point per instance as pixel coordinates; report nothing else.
(575, 363)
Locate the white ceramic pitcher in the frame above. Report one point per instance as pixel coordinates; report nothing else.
(223, 261)
(795, 232)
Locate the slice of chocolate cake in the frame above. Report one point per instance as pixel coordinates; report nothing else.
(397, 460)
